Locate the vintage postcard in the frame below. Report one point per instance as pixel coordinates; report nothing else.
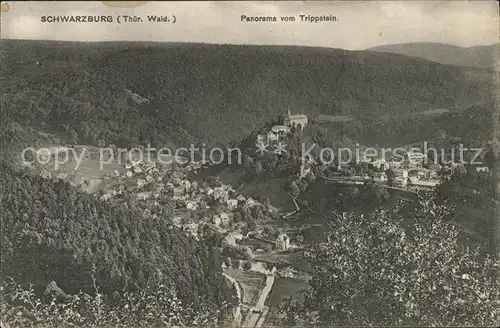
(249, 163)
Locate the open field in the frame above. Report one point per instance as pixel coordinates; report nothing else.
(251, 283)
(88, 170)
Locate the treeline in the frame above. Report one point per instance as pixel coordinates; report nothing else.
(52, 231)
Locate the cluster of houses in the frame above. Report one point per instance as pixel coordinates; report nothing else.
(408, 171)
(413, 170)
(155, 185)
(145, 179)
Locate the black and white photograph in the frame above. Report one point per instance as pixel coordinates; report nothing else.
(246, 164)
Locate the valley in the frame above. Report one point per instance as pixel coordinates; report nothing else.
(272, 236)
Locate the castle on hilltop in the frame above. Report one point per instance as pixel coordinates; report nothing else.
(297, 121)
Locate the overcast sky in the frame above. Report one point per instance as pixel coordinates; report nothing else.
(360, 25)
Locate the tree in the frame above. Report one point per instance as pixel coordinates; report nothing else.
(258, 213)
(281, 263)
(247, 265)
(131, 200)
(459, 169)
(373, 272)
(310, 178)
(391, 177)
(236, 264)
(295, 189)
(247, 214)
(268, 248)
(258, 167)
(44, 221)
(73, 136)
(270, 232)
(373, 193)
(406, 162)
(299, 239)
(267, 204)
(302, 184)
(150, 306)
(237, 216)
(252, 226)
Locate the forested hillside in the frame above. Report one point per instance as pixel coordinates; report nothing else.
(471, 126)
(52, 231)
(214, 93)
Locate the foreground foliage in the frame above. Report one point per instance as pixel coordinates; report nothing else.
(381, 270)
(20, 307)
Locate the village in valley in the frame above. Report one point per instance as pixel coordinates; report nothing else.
(196, 170)
(260, 242)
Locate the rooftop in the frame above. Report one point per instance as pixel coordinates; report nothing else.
(279, 128)
(297, 116)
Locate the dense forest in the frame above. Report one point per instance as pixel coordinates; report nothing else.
(52, 231)
(472, 126)
(213, 93)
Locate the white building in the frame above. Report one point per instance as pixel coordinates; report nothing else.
(232, 204)
(405, 178)
(217, 220)
(140, 183)
(192, 206)
(297, 120)
(225, 219)
(277, 132)
(381, 164)
(482, 169)
(178, 191)
(283, 241)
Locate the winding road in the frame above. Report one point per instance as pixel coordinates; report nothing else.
(252, 319)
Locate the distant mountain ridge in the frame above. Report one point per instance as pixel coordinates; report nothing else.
(476, 56)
